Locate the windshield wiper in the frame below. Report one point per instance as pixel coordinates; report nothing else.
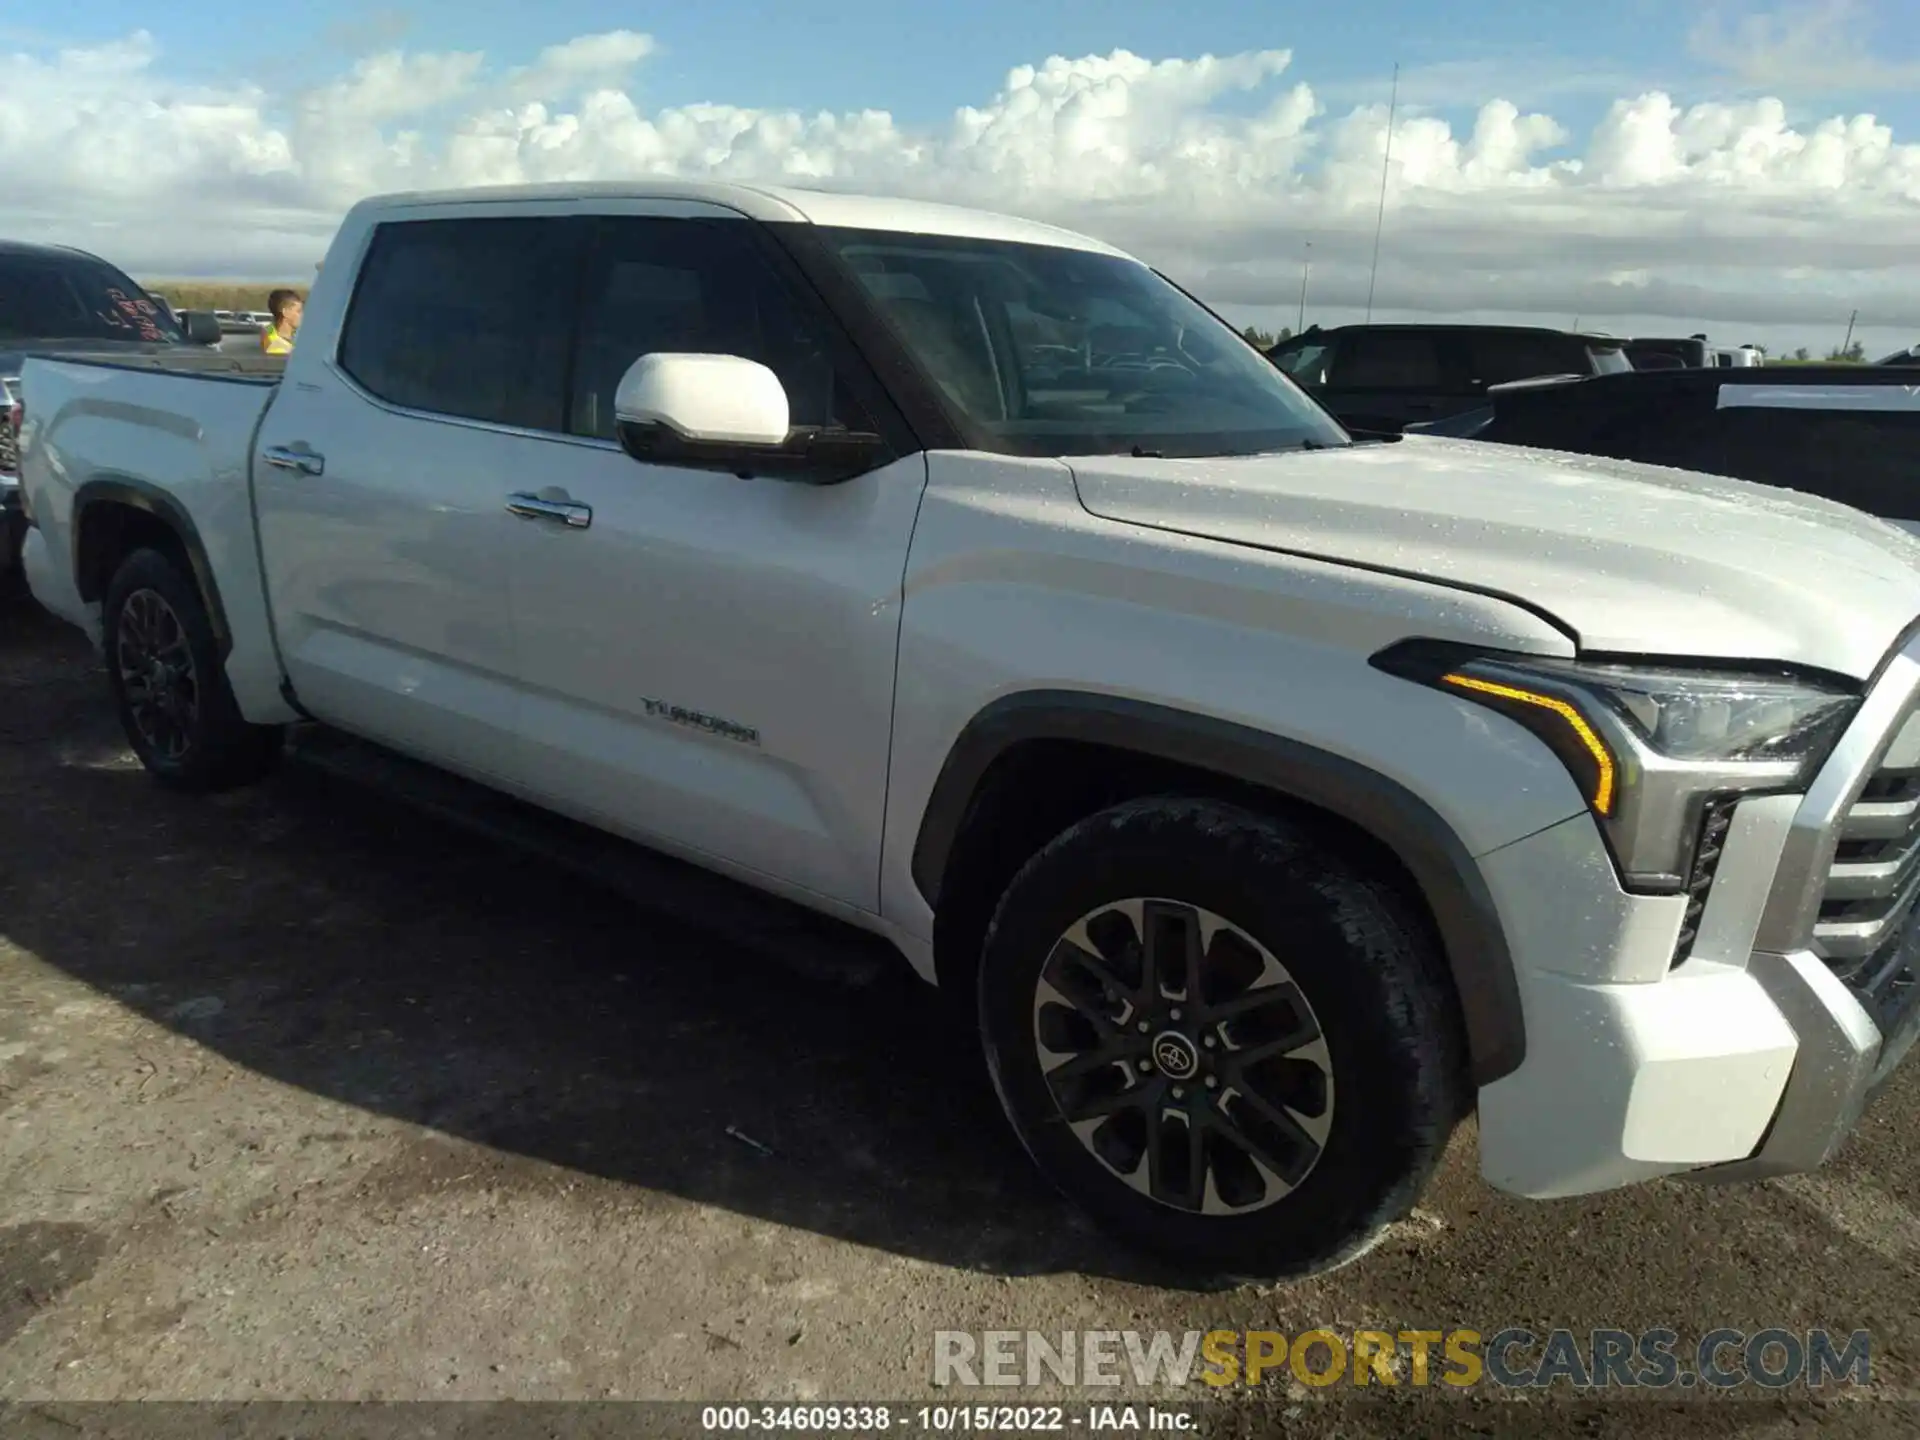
(1140, 452)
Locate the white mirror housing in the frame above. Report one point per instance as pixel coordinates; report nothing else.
(710, 399)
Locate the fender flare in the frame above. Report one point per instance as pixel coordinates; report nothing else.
(1455, 891)
(145, 496)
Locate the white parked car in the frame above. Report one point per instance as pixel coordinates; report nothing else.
(1272, 800)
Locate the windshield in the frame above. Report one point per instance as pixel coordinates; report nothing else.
(75, 297)
(1047, 351)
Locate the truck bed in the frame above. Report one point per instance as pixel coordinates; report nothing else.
(252, 369)
(151, 433)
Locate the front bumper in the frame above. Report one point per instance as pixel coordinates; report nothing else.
(1757, 1053)
(1845, 1056)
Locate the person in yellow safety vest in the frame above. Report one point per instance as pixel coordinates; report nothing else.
(277, 338)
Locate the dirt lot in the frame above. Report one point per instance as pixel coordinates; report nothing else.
(305, 1095)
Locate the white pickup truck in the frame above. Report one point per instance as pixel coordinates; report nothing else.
(1274, 800)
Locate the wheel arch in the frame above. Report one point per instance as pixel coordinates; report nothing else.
(113, 514)
(1073, 740)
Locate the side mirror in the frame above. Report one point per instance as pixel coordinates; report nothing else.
(728, 413)
(705, 399)
(201, 328)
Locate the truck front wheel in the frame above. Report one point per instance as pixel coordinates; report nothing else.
(1226, 1046)
(169, 684)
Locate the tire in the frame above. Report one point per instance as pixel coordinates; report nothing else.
(181, 719)
(1380, 1089)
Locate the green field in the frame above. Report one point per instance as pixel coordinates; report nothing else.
(217, 294)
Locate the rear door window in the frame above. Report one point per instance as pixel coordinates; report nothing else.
(1388, 360)
(467, 318)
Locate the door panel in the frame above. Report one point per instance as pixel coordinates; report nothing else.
(708, 663)
(386, 545)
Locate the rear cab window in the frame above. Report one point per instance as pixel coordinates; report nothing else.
(77, 297)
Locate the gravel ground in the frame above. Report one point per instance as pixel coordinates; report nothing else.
(305, 1095)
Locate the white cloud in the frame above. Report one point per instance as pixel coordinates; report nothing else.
(1811, 47)
(1218, 168)
(587, 62)
(1526, 75)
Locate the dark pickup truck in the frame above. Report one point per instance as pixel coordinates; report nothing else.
(58, 300)
(1849, 433)
(1377, 379)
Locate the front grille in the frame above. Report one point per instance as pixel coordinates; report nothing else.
(1868, 908)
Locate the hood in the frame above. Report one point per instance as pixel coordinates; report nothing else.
(1633, 559)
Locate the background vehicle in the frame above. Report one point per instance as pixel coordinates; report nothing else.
(54, 298)
(1907, 357)
(1656, 353)
(201, 324)
(1266, 799)
(1849, 433)
(1379, 378)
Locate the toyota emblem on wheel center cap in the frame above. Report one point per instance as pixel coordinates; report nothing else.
(1174, 1054)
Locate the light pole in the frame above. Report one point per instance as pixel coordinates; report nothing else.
(1386, 164)
(1306, 269)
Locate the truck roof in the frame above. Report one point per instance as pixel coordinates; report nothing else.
(772, 203)
(1422, 327)
(31, 248)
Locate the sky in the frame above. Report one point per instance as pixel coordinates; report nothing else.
(1746, 168)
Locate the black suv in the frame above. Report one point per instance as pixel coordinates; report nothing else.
(1381, 378)
(54, 298)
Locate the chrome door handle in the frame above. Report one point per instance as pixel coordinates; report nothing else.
(304, 461)
(570, 513)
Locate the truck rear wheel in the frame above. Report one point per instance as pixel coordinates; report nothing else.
(1224, 1045)
(169, 684)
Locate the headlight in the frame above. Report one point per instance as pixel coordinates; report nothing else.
(1656, 750)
